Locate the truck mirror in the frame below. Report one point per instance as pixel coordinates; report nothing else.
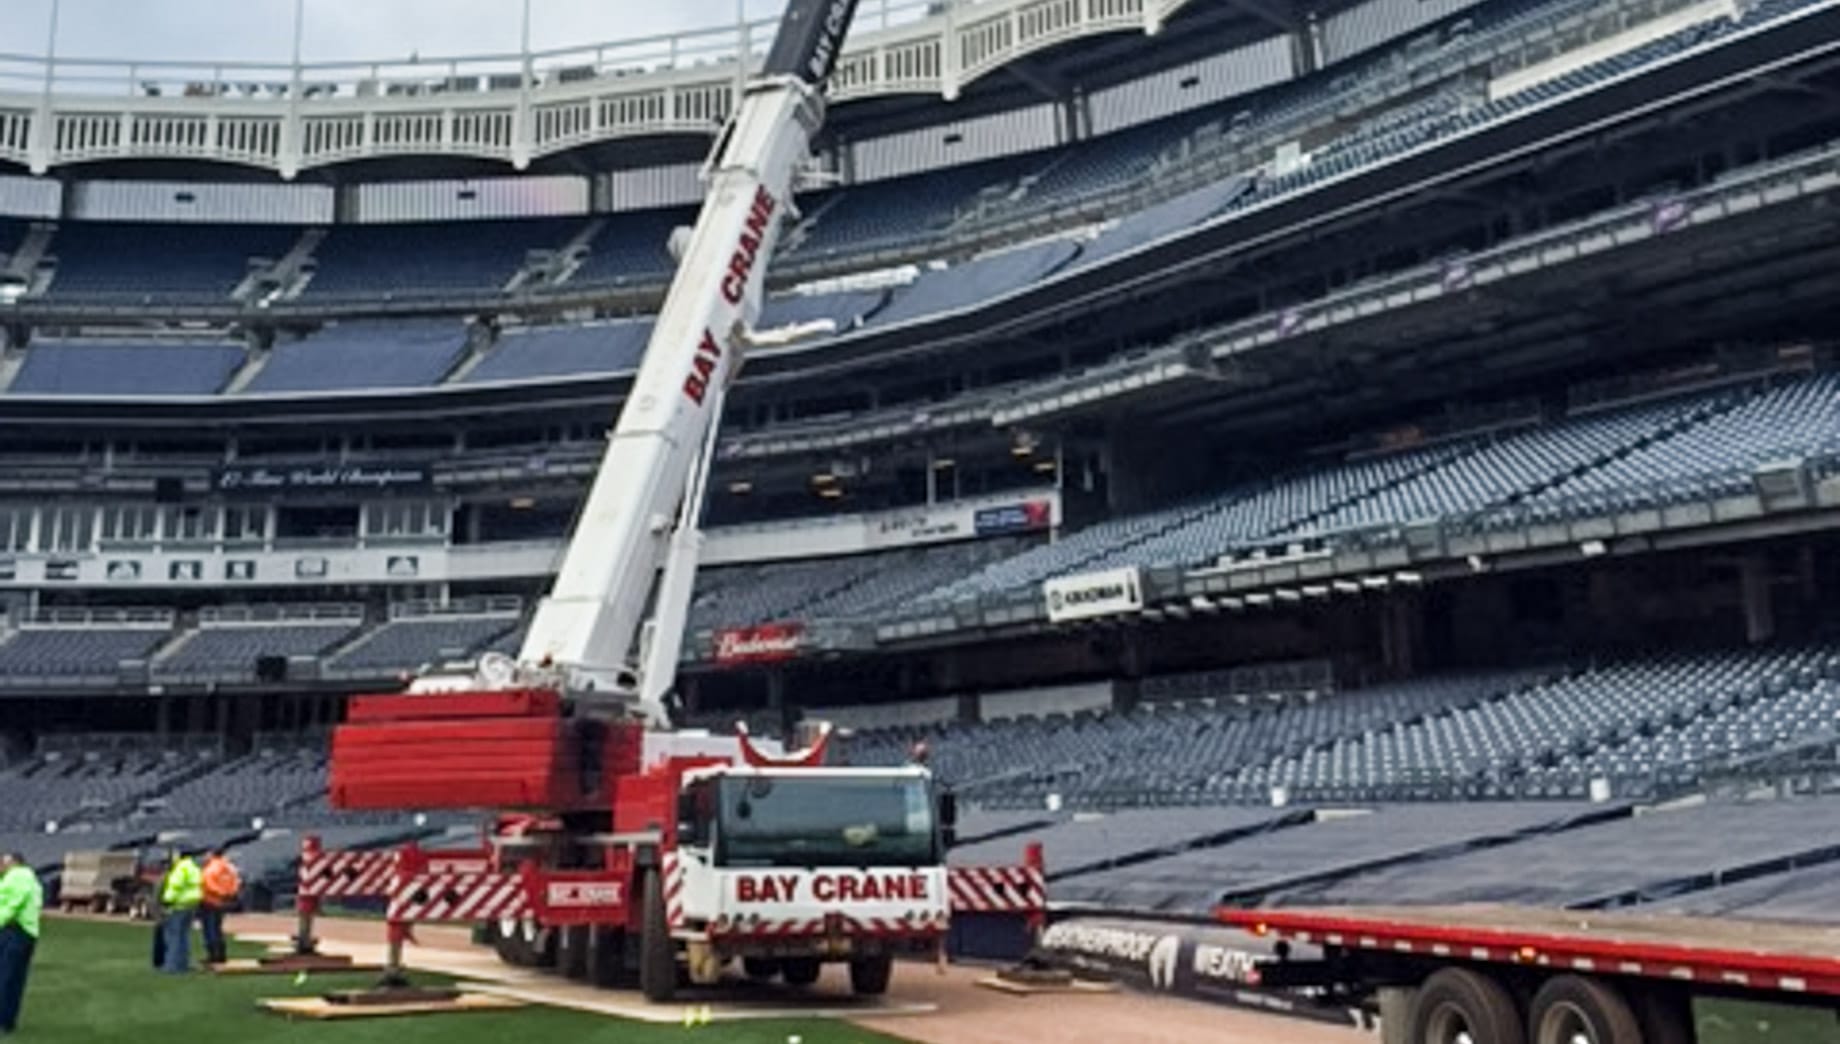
(948, 817)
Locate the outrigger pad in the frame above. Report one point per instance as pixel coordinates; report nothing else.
(286, 962)
(386, 996)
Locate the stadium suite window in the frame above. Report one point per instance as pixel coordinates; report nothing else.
(15, 529)
(68, 529)
(129, 523)
(189, 525)
(407, 519)
(245, 524)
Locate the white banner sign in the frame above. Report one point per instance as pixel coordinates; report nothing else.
(1090, 595)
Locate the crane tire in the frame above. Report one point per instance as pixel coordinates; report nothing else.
(869, 975)
(800, 971)
(657, 955)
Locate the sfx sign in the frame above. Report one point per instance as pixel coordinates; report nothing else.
(583, 893)
(831, 888)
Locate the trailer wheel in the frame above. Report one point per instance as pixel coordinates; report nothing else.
(657, 958)
(760, 969)
(1666, 1015)
(1574, 1010)
(869, 975)
(1458, 1006)
(800, 971)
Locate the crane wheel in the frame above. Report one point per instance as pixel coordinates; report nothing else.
(572, 951)
(657, 954)
(800, 971)
(759, 969)
(869, 975)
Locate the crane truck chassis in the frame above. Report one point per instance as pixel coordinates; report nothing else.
(1513, 975)
(716, 849)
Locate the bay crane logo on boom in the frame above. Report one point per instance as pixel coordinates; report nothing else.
(741, 264)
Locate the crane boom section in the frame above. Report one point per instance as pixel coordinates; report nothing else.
(586, 628)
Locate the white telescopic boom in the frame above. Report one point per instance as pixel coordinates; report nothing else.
(584, 633)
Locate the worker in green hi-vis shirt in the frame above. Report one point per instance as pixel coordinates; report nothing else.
(21, 899)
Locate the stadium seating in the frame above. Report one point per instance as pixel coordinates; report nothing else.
(235, 791)
(126, 368)
(1161, 754)
(355, 356)
(539, 352)
(235, 646)
(136, 261)
(410, 642)
(429, 259)
(75, 651)
(1493, 742)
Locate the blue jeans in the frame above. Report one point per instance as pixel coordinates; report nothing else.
(178, 929)
(211, 919)
(15, 958)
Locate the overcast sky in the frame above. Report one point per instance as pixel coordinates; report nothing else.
(261, 30)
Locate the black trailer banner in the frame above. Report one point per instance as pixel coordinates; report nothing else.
(1196, 961)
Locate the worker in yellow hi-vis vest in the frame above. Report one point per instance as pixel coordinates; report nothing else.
(21, 899)
(181, 890)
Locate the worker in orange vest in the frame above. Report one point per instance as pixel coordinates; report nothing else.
(222, 885)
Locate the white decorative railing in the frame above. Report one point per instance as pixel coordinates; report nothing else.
(512, 107)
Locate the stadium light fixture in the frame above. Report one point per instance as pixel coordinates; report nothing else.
(1593, 548)
(523, 503)
(741, 487)
(1046, 467)
(944, 464)
(824, 478)
(1347, 587)
(831, 493)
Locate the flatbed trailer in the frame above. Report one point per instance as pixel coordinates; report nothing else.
(1486, 974)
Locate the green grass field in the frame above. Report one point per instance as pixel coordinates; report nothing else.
(92, 984)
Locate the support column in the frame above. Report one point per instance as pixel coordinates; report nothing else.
(1754, 593)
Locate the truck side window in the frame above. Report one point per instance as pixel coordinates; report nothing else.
(696, 814)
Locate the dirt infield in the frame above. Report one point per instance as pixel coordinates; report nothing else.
(966, 1013)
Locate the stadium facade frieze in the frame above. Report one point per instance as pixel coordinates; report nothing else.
(294, 118)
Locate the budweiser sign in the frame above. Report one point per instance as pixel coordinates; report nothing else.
(762, 644)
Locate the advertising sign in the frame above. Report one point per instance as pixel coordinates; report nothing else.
(1091, 595)
(124, 569)
(766, 643)
(1013, 518)
(1193, 961)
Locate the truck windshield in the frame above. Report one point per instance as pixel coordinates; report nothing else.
(833, 821)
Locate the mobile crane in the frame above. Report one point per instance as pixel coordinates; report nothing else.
(622, 846)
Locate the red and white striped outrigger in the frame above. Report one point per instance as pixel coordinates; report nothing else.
(448, 887)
